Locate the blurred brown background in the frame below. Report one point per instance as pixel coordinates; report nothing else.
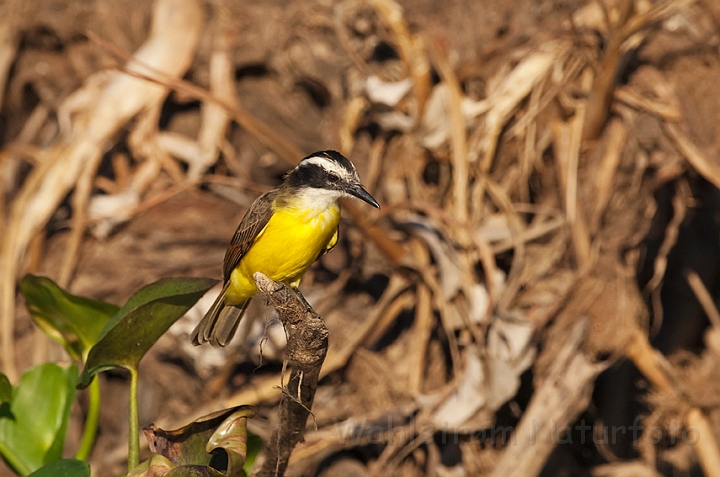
(536, 294)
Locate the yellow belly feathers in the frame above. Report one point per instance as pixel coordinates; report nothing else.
(291, 241)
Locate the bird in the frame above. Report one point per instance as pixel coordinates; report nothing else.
(283, 232)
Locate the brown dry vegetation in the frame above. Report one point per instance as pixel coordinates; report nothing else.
(543, 267)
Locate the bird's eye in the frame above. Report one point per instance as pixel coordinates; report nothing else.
(332, 178)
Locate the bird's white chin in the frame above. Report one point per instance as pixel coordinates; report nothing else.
(313, 198)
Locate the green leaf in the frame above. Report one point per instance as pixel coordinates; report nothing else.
(34, 422)
(5, 389)
(63, 468)
(73, 321)
(140, 322)
(254, 446)
(231, 439)
(217, 441)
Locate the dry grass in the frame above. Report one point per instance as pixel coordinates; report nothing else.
(511, 226)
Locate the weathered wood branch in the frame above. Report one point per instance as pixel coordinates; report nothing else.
(307, 344)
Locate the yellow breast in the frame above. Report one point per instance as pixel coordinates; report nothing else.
(291, 241)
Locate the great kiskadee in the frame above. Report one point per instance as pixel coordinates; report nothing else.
(283, 232)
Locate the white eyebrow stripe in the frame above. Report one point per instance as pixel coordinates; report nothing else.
(328, 165)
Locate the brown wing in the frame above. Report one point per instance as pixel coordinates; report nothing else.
(252, 224)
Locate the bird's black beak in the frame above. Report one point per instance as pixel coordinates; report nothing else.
(359, 191)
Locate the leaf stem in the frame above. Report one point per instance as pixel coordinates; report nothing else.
(91, 421)
(13, 460)
(134, 439)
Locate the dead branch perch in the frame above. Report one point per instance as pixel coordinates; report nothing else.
(307, 344)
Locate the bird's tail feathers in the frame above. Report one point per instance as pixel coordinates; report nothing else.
(220, 322)
(227, 324)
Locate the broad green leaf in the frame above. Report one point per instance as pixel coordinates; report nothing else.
(5, 389)
(34, 422)
(218, 441)
(140, 322)
(63, 468)
(73, 321)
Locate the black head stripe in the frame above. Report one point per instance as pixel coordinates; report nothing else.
(307, 176)
(322, 169)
